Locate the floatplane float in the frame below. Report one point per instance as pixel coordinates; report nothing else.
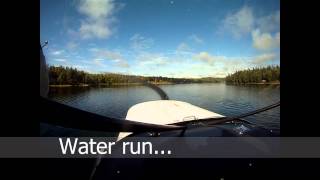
(173, 113)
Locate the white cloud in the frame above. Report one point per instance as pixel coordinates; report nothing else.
(56, 53)
(60, 60)
(278, 37)
(220, 74)
(99, 18)
(183, 48)
(244, 21)
(123, 64)
(152, 59)
(111, 55)
(80, 67)
(224, 65)
(196, 39)
(139, 42)
(265, 41)
(98, 62)
(269, 23)
(240, 22)
(96, 9)
(95, 29)
(199, 71)
(114, 56)
(208, 58)
(264, 58)
(98, 59)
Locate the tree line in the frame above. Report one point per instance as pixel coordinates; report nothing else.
(60, 75)
(255, 75)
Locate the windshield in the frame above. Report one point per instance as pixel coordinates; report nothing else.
(221, 56)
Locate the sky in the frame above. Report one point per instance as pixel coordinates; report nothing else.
(172, 38)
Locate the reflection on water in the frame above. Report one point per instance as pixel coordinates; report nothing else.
(223, 99)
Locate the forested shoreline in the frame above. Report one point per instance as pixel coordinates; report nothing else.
(67, 76)
(262, 75)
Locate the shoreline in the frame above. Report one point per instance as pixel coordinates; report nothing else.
(68, 85)
(265, 83)
(275, 83)
(122, 84)
(114, 84)
(157, 83)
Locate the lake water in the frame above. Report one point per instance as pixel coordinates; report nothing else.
(224, 99)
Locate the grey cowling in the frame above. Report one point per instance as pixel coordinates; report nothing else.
(44, 77)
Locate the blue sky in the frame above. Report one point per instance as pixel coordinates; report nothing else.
(174, 38)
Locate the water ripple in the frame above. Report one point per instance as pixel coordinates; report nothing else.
(220, 98)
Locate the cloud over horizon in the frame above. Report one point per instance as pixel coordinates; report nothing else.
(239, 23)
(139, 42)
(265, 41)
(161, 38)
(99, 18)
